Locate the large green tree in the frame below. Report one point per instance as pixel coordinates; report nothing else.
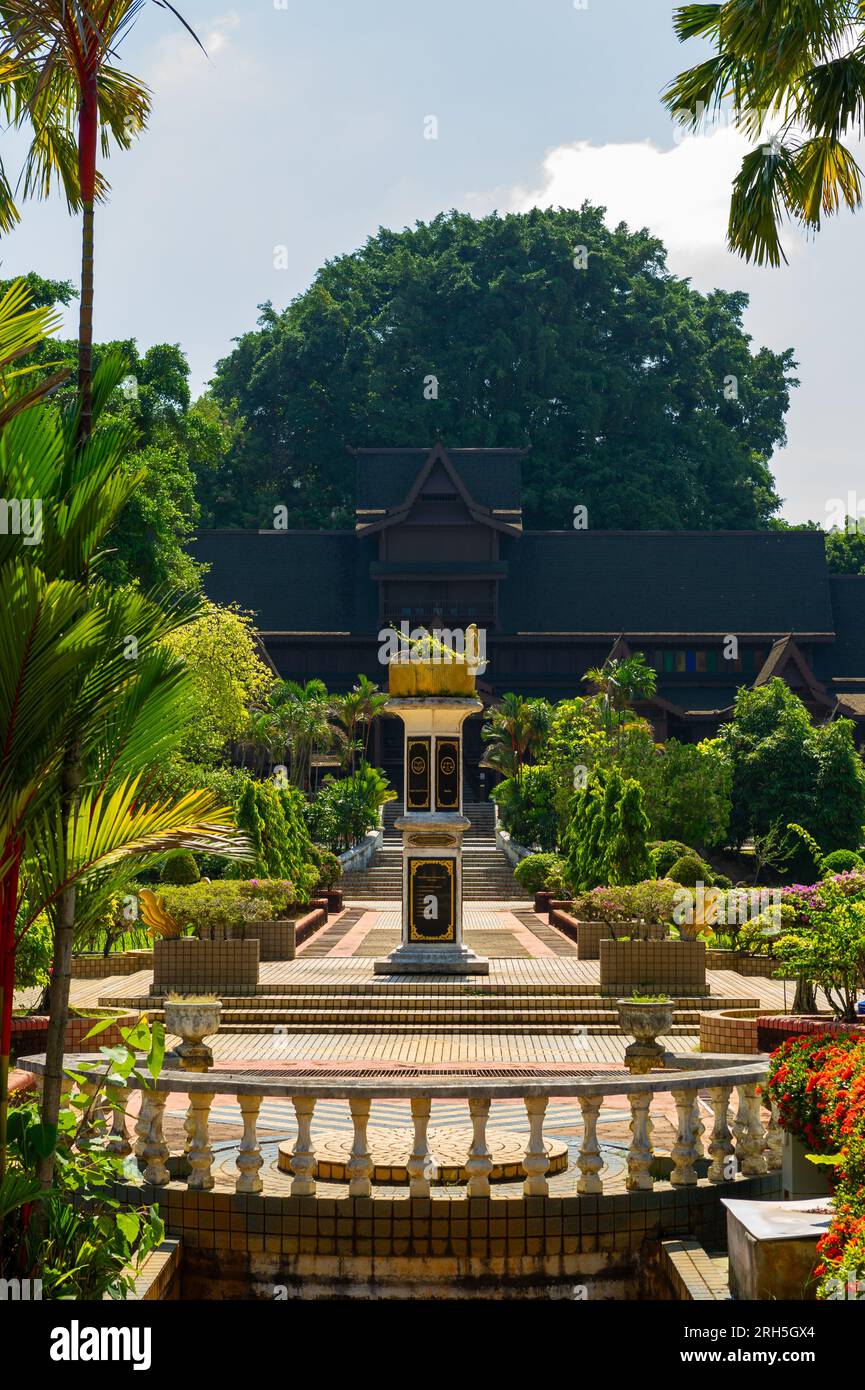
(787, 769)
(641, 399)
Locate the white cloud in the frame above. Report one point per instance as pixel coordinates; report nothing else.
(681, 194)
(179, 59)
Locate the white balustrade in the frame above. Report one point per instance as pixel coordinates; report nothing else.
(420, 1161)
(249, 1159)
(152, 1146)
(479, 1163)
(686, 1149)
(199, 1151)
(590, 1161)
(360, 1162)
(536, 1160)
(303, 1154)
(639, 1177)
(735, 1149)
(723, 1165)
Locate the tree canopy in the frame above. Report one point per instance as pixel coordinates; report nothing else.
(639, 397)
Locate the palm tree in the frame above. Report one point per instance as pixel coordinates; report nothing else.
(373, 702)
(59, 78)
(514, 731)
(305, 714)
(66, 682)
(802, 65)
(620, 681)
(349, 709)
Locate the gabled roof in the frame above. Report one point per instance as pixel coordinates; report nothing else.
(786, 652)
(389, 483)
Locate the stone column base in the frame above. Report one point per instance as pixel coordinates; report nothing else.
(412, 958)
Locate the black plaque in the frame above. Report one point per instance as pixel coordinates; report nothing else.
(432, 900)
(418, 774)
(447, 774)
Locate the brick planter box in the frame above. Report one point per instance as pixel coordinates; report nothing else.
(334, 900)
(29, 1033)
(321, 902)
(654, 967)
(276, 939)
(308, 925)
(542, 900)
(762, 967)
(558, 905)
(190, 966)
(773, 1029)
(729, 1030)
(591, 934)
(99, 967)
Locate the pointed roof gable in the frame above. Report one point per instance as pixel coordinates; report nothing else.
(438, 473)
(786, 651)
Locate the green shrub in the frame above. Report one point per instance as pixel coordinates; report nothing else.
(841, 861)
(180, 868)
(527, 808)
(689, 871)
(33, 955)
(344, 810)
(532, 872)
(666, 853)
(273, 819)
(606, 841)
(215, 911)
(328, 865)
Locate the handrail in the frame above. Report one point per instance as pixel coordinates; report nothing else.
(747, 1149)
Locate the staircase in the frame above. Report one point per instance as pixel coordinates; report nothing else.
(487, 875)
(397, 1007)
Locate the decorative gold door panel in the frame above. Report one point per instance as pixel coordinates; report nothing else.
(418, 778)
(448, 774)
(432, 900)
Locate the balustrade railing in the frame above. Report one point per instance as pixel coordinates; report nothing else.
(745, 1146)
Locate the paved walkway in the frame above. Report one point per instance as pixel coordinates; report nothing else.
(526, 955)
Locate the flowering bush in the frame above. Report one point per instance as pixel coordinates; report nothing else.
(651, 901)
(818, 1084)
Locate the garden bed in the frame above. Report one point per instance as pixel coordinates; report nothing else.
(729, 1030)
(677, 968)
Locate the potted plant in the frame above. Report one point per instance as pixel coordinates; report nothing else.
(329, 874)
(192, 1018)
(645, 1016)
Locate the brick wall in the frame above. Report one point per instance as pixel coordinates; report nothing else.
(656, 967)
(98, 967)
(191, 966)
(729, 1030)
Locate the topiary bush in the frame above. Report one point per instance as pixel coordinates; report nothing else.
(532, 872)
(180, 868)
(328, 865)
(689, 871)
(841, 861)
(666, 853)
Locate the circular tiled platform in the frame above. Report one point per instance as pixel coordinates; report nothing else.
(390, 1150)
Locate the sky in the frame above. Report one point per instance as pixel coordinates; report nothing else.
(303, 131)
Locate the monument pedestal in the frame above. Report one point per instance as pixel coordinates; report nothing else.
(432, 830)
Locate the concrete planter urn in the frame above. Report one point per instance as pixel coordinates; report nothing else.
(646, 1020)
(193, 1019)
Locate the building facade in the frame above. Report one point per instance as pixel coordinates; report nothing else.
(439, 543)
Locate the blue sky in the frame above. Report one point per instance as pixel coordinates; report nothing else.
(304, 129)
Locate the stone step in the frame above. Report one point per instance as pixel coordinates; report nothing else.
(465, 1026)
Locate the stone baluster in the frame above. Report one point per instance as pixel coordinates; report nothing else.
(303, 1154)
(479, 1163)
(536, 1160)
(249, 1158)
(360, 1162)
(640, 1152)
(199, 1152)
(151, 1145)
(590, 1161)
(420, 1161)
(723, 1165)
(687, 1146)
(91, 1110)
(752, 1136)
(774, 1145)
(118, 1139)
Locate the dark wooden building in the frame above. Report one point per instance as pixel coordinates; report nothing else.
(439, 542)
